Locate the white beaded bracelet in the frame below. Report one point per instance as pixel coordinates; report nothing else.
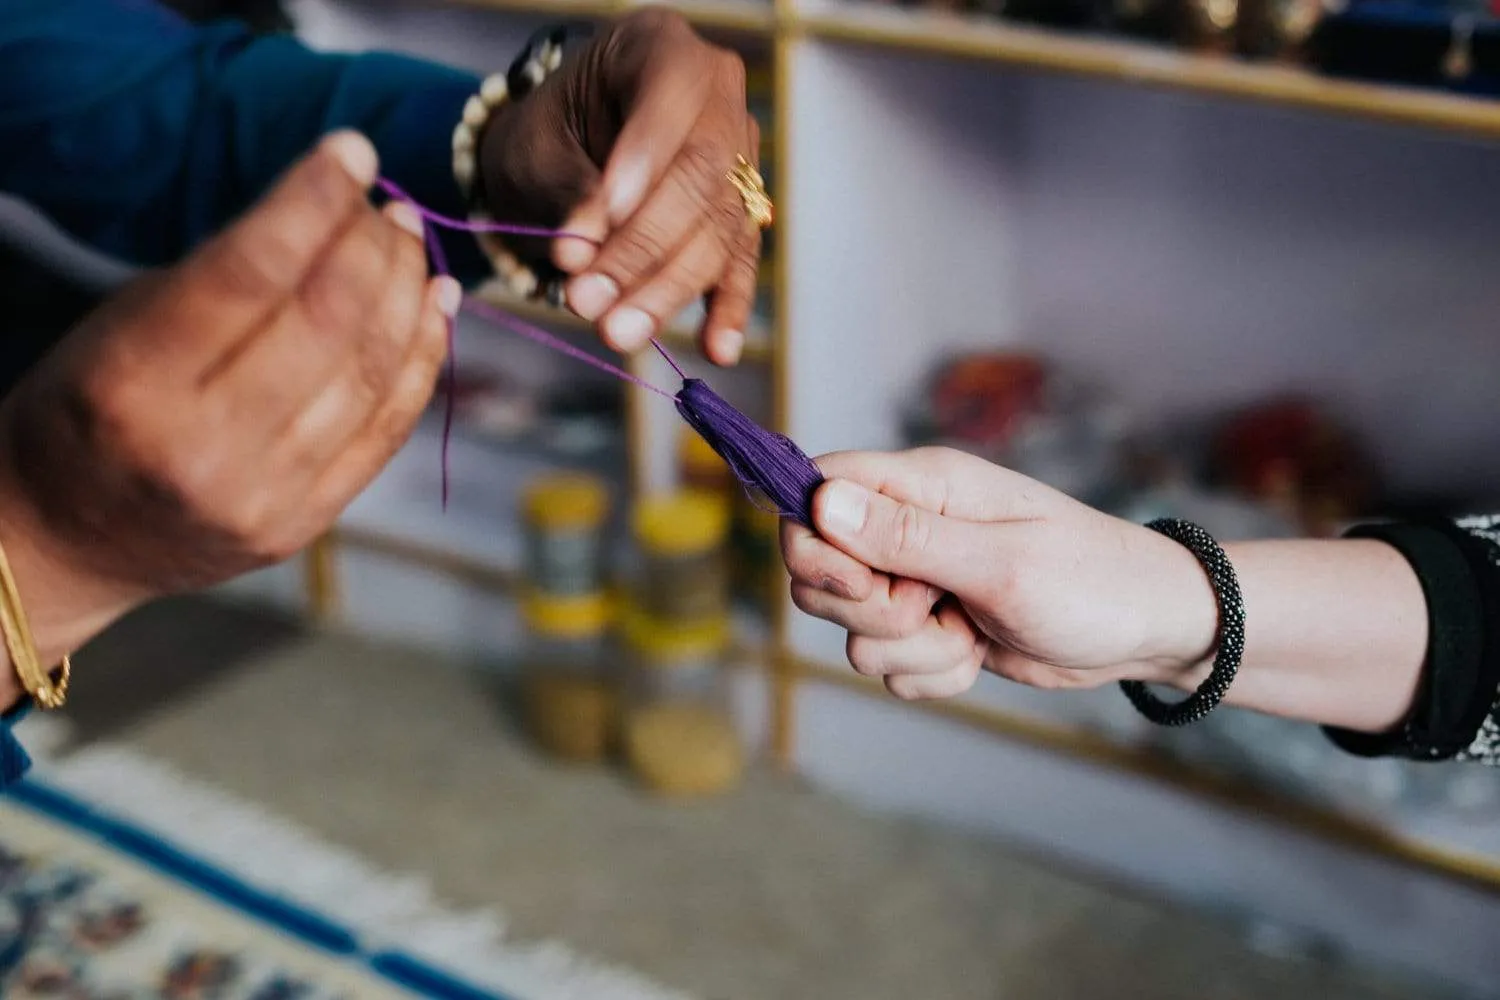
(493, 94)
(541, 58)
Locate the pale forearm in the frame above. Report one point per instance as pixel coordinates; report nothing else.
(1336, 633)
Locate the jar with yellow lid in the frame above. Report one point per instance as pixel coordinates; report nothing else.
(678, 729)
(566, 514)
(683, 572)
(567, 688)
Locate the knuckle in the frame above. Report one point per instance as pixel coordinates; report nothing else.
(273, 548)
(805, 599)
(799, 563)
(396, 424)
(656, 20)
(951, 684)
(377, 365)
(431, 348)
(961, 650)
(865, 655)
(347, 284)
(728, 216)
(731, 70)
(908, 616)
(910, 531)
(640, 247)
(254, 271)
(104, 409)
(331, 305)
(371, 379)
(967, 675)
(192, 484)
(748, 253)
(702, 167)
(939, 459)
(905, 688)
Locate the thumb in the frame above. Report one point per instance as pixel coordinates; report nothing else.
(902, 539)
(243, 275)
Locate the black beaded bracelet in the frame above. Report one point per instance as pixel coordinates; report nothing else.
(1230, 642)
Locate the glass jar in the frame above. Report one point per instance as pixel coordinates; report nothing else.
(678, 729)
(683, 576)
(568, 692)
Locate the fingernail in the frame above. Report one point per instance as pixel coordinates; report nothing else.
(845, 507)
(591, 295)
(356, 155)
(627, 191)
(405, 216)
(450, 295)
(731, 346)
(629, 328)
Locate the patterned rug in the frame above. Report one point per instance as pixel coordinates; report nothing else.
(121, 880)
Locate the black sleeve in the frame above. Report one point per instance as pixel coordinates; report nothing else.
(1455, 712)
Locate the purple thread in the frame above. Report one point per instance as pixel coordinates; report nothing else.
(536, 333)
(761, 460)
(448, 222)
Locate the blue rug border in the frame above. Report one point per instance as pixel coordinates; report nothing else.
(308, 927)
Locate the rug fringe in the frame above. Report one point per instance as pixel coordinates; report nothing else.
(398, 913)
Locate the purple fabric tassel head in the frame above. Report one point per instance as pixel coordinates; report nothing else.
(759, 458)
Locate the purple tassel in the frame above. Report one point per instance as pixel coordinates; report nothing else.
(762, 460)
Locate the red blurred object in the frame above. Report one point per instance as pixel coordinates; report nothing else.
(1290, 453)
(984, 398)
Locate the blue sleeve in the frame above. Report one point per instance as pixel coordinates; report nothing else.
(142, 134)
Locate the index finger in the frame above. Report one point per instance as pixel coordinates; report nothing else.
(664, 97)
(815, 563)
(945, 481)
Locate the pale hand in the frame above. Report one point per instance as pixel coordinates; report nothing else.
(941, 565)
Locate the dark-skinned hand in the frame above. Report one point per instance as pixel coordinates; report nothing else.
(629, 144)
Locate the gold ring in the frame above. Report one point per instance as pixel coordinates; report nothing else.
(752, 188)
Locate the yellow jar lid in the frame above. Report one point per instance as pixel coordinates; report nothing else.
(666, 642)
(681, 523)
(574, 617)
(567, 500)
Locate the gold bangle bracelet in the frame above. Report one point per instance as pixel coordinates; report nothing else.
(47, 693)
